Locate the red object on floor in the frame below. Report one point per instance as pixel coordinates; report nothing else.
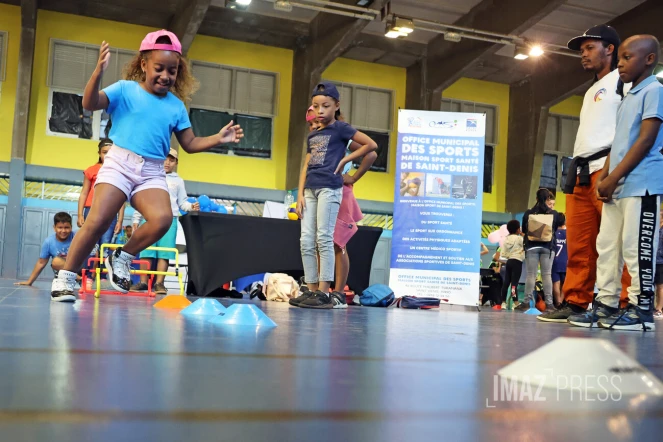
(497, 307)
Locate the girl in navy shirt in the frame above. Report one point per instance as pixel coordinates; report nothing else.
(320, 192)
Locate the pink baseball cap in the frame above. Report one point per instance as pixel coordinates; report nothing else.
(311, 116)
(149, 43)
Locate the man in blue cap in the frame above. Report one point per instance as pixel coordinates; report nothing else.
(598, 48)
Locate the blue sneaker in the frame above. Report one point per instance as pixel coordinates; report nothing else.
(631, 318)
(589, 318)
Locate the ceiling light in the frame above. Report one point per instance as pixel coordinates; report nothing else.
(403, 25)
(393, 34)
(399, 28)
(239, 5)
(452, 36)
(521, 53)
(536, 51)
(283, 5)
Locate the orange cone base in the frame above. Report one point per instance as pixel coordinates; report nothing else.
(177, 302)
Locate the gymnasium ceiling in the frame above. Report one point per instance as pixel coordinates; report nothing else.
(261, 23)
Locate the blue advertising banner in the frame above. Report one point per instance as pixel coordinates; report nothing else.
(437, 206)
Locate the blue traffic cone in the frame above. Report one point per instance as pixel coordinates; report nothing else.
(204, 307)
(532, 310)
(243, 314)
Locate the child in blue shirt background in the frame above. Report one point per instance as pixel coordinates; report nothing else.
(320, 193)
(56, 246)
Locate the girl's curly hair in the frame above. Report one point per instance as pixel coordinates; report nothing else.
(185, 83)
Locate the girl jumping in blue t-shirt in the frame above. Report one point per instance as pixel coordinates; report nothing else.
(320, 192)
(146, 109)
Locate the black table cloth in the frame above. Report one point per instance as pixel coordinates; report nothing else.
(222, 248)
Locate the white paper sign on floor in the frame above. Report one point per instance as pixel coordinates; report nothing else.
(589, 365)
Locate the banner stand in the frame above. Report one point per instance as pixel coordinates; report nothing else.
(438, 206)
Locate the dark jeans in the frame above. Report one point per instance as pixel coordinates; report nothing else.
(514, 269)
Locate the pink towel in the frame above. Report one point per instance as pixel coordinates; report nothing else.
(348, 215)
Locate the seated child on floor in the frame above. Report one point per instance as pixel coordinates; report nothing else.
(55, 246)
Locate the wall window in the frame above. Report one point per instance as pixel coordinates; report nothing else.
(3, 53)
(70, 66)
(560, 139)
(492, 136)
(369, 110)
(229, 93)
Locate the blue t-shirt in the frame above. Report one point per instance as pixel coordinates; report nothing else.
(143, 122)
(52, 248)
(641, 103)
(327, 147)
(561, 253)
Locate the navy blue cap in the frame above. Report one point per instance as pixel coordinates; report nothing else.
(327, 89)
(601, 32)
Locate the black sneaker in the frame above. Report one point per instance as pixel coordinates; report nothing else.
(119, 271)
(338, 300)
(562, 314)
(318, 300)
(62, 290)
(306, 293)
(140, 287)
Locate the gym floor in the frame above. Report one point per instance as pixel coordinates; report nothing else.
(117, 369)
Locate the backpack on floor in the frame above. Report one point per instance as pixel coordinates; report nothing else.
(540, 227)
(377, 295)
(413, 302)
(281, 287)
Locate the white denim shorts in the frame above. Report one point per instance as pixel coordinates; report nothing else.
(131, 173)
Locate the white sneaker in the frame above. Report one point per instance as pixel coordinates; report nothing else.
(504, 306)
(62, 290)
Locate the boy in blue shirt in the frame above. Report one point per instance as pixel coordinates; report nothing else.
(56, 246)
(630, 186)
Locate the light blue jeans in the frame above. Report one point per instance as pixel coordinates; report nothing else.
(318, 222)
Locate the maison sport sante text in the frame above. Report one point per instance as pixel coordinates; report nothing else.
(440, 154)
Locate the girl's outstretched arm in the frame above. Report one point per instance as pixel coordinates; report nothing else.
(231, 133)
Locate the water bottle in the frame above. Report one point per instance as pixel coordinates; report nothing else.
(289, 199)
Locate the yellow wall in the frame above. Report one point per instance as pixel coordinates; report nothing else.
(270, 174)
(376, 186)
(56, 151)
(242, 171)
(571, 107)
(79, 154)
(498, 95)
(10, 22)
